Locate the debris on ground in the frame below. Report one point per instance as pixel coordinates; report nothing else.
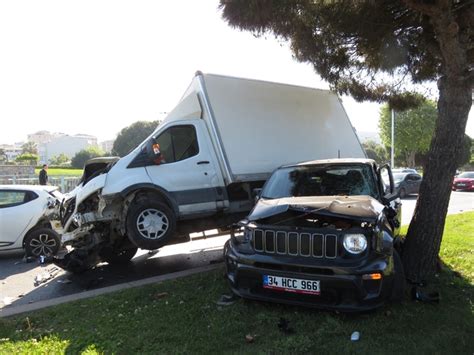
(283, 325)
(418, 294)
(160, 295)
(46, 275)
(355, 336)
(216, 261)
(249, 338)
(7, 300)
(64, 281)
(227, 300)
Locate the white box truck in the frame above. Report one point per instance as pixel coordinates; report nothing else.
(198, 169)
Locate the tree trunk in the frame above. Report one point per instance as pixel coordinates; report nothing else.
(426, 229)
(455, 99)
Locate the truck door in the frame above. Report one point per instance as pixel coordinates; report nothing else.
(187, 168)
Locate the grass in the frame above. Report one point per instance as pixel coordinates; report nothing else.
(61, 172)
(181, 316)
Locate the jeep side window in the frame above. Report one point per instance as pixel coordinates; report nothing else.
(178, 143)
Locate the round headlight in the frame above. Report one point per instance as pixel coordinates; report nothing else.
(355, 243)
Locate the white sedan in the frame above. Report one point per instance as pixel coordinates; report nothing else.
(24, 218)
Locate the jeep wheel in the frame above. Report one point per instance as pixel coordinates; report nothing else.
(399, 283)
(42, 241)
(150, 224)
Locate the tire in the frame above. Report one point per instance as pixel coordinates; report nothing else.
(120, 253)
(403, 193)
(399, 283)
(42, 241)
(150, 224)
(117, 256)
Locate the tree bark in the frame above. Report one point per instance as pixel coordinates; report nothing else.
(425, 232)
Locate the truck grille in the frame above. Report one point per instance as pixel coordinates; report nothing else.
(295, 244)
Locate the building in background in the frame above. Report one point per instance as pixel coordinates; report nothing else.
(107, 146)
(43, 137)
(12, 150)
(65, 144)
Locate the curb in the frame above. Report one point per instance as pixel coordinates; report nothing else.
(7, 311)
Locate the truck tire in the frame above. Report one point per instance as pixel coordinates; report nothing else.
(42, 241)
(399, 283)
(117, 256)
(150, 224)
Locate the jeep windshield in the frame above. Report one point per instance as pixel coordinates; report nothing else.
(321, 180)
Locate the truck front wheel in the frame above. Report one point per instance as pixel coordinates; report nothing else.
(150, 224)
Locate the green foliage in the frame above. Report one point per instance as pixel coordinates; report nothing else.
(3, 155)
(376, 152)
(466, 156)
(28, 158)
(372, 50)
(59, 160)
(29, 147)
(130, 137)
(413, 130)
(181, 316)
(79, 160)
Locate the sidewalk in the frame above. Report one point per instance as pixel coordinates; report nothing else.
(14, 310)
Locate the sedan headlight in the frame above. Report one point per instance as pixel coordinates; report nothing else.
(355, 243)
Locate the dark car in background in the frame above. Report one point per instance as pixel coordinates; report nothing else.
(464, 181)
(322, 234)
(407, 183)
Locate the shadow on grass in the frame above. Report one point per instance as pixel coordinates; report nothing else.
(182, 316)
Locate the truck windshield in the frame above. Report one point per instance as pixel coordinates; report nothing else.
(321, 180)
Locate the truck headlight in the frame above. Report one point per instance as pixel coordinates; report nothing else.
(355, 243)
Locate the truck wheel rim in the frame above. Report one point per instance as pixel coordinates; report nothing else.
(152, 223)
(44, 244)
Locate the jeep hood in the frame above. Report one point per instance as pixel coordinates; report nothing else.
(364, 207)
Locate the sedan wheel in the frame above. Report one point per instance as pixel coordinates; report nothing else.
(43, 241)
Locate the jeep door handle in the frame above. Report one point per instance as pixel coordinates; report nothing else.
(202, 162)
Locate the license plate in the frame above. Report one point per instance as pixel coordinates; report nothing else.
(288, 284)
(461, 184)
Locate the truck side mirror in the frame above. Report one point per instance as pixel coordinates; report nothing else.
(153, 151)
(387, 186)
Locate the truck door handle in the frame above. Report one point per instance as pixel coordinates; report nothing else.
(202, 162)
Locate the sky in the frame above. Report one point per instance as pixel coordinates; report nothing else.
(95, 67)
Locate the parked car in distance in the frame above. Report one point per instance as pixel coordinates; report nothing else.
(464, 181)
(323, 234)
(407, 183)
(25, 213)
(404, 170)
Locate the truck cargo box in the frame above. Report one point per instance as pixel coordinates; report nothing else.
(257, 126)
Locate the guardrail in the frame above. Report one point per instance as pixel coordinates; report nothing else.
(65, 183)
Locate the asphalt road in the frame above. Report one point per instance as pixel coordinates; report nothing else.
(17, 278)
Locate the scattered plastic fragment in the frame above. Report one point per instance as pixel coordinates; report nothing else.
(283, 325)
(355, 336)
(227, 300)
(160, 295)
(46, 275)
(418, 294)
(8, 300)
(64, 281)
(249, 338)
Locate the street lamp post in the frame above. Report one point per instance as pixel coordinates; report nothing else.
(392, 148)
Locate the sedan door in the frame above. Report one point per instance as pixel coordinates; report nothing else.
(15, 214)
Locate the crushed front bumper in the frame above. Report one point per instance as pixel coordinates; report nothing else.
(341, 288)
